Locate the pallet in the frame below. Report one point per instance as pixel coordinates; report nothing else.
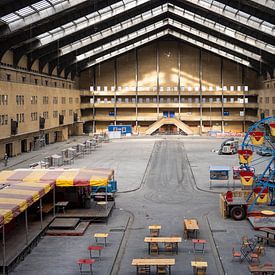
(64, 223)
(78, 231)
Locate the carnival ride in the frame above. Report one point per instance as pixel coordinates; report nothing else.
(259, 137)
(256, 200)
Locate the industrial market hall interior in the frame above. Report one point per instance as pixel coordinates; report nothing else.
(137, 137)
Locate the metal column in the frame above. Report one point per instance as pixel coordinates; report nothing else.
(26, 226)
(200, 82)
(54, 201)
(222, 114)
(41, 214)
(115, 84)
(243, 83)
(179, 70)
(4, 249)
(157, 64)
(136, 78)
(94, 81)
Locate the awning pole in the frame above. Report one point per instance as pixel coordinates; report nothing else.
(54, 201)
(26, 224)
(106, 198)
(41, 213)
(4, 249)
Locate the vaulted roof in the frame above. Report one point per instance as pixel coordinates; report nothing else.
(74, 35)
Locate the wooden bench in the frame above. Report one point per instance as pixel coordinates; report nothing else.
(166, 240)
(154, 262)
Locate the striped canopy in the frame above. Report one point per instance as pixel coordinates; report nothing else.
(61, 177)
(16, 197)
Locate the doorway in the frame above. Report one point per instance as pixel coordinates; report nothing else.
(168, 114)
(9, 149)
(24, 146)
(47, 138)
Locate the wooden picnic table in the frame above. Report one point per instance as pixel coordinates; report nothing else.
(190, 226)
(268, 232)
(174, 240)
(154, 262)
(199, 266)
(262, 270)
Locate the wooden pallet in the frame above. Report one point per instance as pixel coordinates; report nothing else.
(78, 231)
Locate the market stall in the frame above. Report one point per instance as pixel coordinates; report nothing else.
(16, 198)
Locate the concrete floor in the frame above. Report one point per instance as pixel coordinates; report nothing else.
(156, 185)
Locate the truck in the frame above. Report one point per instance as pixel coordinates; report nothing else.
(229, 146)
(98, 192)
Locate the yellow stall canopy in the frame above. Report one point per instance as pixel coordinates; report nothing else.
(61, 177)
(16, 197)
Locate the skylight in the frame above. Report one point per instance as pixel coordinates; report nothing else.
(30, 10)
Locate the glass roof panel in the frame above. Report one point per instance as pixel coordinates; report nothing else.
(41, 5)
(29, 10)
(10, 18)
(25, 11)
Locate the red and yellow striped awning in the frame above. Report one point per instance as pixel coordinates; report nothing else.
(23, 187)
(16, 197)
(61, 177)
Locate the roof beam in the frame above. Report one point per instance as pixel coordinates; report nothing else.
(9, 6)
(196, 34)
(197, 19)
(39, 15)
(68, 56)
(228, 19)
(155, 36)
(262, 9)
(96, 55)
(31, 32)
(51, 50)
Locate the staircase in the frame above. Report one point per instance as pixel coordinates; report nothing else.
(168, 120)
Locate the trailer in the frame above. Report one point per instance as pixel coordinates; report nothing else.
(99, 192)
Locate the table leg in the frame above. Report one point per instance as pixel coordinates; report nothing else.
(149, 248)
(90, 254)
(80, 268)
(169, 269)
(99, 253)
(91, 269)
(96, 239)
(177, 248)
(105, 240)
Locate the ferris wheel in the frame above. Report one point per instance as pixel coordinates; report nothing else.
(260, 139)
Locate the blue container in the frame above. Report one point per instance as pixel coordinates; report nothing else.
(124, 129)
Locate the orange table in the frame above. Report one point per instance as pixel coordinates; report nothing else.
(191, 226)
